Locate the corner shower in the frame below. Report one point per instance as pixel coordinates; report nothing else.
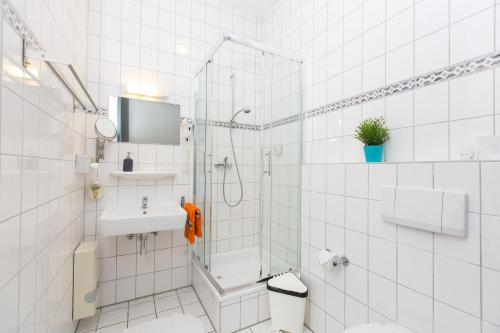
(247, 139)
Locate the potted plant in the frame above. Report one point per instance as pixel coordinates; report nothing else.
(373, 133)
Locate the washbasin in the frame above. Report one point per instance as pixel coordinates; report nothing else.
(124, 220)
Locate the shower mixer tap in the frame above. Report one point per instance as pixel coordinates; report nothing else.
(224, 164)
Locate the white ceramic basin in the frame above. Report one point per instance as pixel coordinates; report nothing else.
(124, 220)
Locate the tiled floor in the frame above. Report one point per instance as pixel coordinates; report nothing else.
(114, 318)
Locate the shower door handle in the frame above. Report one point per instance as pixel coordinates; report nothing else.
(269, 162)
(209, 169)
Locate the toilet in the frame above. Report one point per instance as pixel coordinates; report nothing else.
(177, 323)
(378, 328)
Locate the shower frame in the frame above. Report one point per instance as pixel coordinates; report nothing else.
(264, 49)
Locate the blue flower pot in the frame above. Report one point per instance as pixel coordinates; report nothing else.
(374, 154)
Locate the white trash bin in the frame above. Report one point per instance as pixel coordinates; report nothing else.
(287, 298)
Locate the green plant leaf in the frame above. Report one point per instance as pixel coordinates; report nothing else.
(372, 132)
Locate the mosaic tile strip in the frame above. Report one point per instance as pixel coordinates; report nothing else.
(467, 67)
(17, 22)
(227, 124)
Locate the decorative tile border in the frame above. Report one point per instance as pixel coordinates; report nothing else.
(227, 124)
(17, 22)
(451, 72)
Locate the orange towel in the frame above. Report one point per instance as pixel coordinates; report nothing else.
(193, 226)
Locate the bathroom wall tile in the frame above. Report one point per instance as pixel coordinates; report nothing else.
(430, 16)
(10, 231)
(461, 177)
(381, 175)
(415, 269)
(399, 64)
(376, 226)
(400, 29)
(432, 52)
(382, 258)
(461, 9)
(457, 283)
(472, 96)
(463, 135)
(490, 192)
(490, 229)
(356, 214)
(414, 310)
(356, 313)
(431, 142)
(230, 318)
(472, 36)
(356, 283)
(336, 179)
(9, 296)
(400, 145)
(467, 249)
(334, 303)
(383, 296)
(449, 319)
(356, 248)
(357, 180)
(490, 303)
(431, 103)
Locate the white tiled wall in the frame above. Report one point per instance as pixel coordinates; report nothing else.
(41, 197)
(156, 44)
(427, 282)
(237, 227)
(159, 45)
(430, 283)
(124, 273)
(351, 47)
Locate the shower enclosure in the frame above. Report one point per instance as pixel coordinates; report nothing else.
(247, 173)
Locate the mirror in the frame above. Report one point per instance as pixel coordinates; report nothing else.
(142, 121)
(105, 129)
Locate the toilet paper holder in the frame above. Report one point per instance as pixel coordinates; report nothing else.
(340, 260)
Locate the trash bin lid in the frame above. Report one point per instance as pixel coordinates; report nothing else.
(287, 283)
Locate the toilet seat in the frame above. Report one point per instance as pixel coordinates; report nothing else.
(377, 328)
(177, 323)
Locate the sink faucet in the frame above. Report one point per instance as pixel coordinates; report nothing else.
(144, 202)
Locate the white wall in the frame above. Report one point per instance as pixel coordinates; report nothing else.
(41, 197)
(428, 282)
(156, 45)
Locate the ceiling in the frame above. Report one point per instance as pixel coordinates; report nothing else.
(258, 8)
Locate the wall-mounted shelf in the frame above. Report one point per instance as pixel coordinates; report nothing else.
(142, 174)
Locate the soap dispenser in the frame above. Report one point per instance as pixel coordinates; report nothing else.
(128, 163)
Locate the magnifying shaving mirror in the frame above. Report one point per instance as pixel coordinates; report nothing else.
(106, 131)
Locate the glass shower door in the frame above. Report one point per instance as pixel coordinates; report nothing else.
(203, 162)
(281, 164)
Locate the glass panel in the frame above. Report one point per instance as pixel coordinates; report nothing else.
(282, 150)
(202, 160)
(258, 236)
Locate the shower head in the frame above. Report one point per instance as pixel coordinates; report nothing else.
(244, 110)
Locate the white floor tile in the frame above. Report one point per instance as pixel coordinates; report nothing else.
(206, 322)
(113, 329)
(112, 317)
(195, 309)
(141, 310)
(141, 320)
(169, 312)
(167, 303)
(88, 324)
(188, 297)
(264, 327)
